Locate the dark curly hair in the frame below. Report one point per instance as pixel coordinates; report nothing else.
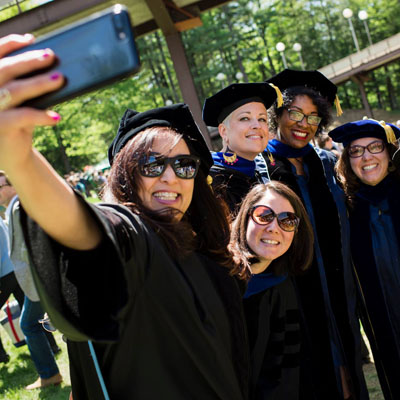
(349, 180)
(205, 225)
(322, 104)
(299, 256)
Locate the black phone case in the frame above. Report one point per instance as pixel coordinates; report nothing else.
(92, 53)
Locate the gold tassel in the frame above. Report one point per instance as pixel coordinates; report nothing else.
(279, 96)
(209, 180)
(390, 136)
(339, 110)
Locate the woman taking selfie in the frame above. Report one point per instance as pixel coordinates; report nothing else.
(331, 346)
(372, 186)
(240, 113)
(144, 293)
(272, 236)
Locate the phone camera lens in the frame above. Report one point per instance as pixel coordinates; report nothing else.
(118, 21)
(119, 26)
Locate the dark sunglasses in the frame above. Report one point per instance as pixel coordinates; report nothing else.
(263, 215)
(298, 116)
(375, 147)
(184, 166)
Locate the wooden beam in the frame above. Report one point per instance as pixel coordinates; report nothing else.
(161, 16)
(39, 17)
(188, 24)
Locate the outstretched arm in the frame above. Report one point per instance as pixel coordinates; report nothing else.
(46, 197)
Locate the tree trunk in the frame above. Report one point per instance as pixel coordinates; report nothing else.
(63, 154)
(377, 91)
(238, 56)
(270, 62)
(390, 89)
(167, 69)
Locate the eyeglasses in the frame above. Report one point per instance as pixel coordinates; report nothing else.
(184, 166)
(298, 116)
(375, 147)
(263, 215)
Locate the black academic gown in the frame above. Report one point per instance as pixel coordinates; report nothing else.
(274, 335)
(327, 295)
(231, 185)
(160, 329)
(375, 245)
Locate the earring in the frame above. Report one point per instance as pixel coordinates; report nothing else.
(230, 158)
(391, 166)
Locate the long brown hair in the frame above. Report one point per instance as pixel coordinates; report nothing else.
(299, 256)
(203, 228)
(349, 180)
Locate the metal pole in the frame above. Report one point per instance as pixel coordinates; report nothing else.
(301, 61)
(353, 33)
(368, 34)
(284, 60)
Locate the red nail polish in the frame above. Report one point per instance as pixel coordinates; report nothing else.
(56, 117)
(55, 76)
(45, 55)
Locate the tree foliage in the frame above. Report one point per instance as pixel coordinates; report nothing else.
(239, 36)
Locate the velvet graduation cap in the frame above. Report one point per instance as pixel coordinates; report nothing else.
(177, 117)
(216, 108)
(311, 79)
(365, 128)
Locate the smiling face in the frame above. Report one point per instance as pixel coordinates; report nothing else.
(269, 242)
(370, 168)
(245, 130)
(297, 134)
(167, 190)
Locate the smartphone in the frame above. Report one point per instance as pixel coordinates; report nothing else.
(92, 53)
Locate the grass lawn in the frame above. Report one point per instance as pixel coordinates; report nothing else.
(374, 388)
(20, 372)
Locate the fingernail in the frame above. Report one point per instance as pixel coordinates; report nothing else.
(28, 36)
(54, 115)
(55, 76)
(46, 54)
